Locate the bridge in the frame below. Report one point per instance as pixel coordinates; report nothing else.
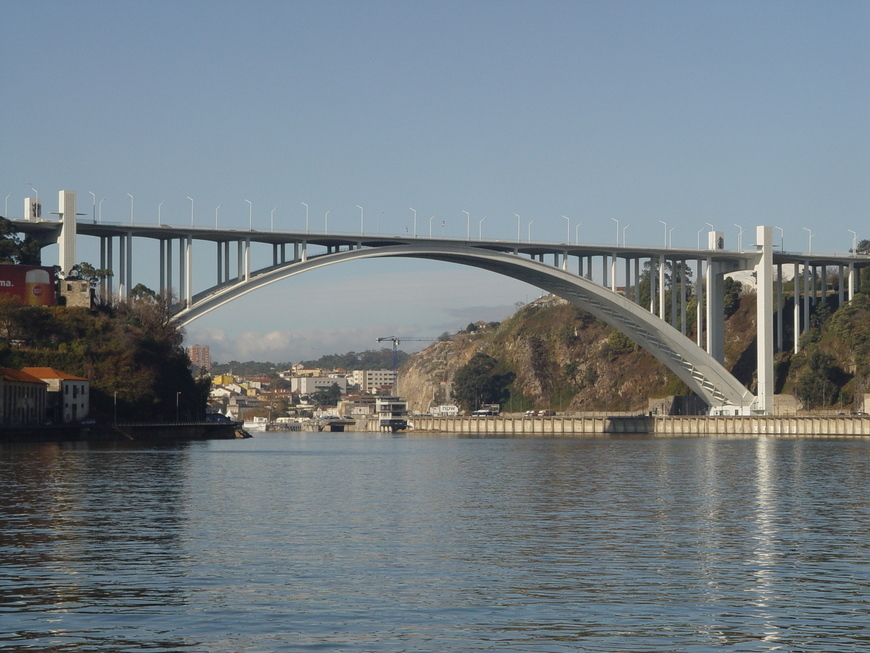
(564, 269)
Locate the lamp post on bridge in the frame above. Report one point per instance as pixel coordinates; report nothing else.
(273, 218)
(101, 209)
(430, 224)
(467, 224)
(361, 215)
(739, 238)
(6, 210)
(854, 242)
(480, 228)
(159, 208)
(518, 226)
(131, 208)
(306, 216)
(671, 237)
(191, 209)
(250, 215)
(216, 215)
(699, 237)
(415, 222)
(326, 222)
(94, 214)
(781, 238)
(569, 229)
(666, 232)
(530, 230)
(623, 233)
(617, 230)
(811, 234)
(577, 233)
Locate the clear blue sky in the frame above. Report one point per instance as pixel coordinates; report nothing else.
(685, 112)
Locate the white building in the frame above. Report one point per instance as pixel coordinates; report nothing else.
(306, 385)
(68, 396)
(370, 381)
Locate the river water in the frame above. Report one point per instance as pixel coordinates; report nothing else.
(360, 542)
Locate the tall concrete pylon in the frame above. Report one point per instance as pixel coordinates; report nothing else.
(764, 320)
(67, 238)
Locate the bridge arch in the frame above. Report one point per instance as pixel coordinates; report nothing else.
(695, 367)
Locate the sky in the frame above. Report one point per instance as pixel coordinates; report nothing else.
(637, 113)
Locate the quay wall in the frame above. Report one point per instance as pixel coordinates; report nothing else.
(840, 426)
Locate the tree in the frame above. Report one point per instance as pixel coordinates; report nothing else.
(328, 397)
(15, 250)
(478, 382)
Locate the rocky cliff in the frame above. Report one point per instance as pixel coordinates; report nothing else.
(562, 358)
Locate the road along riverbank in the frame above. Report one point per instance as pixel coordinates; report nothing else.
(125, 432)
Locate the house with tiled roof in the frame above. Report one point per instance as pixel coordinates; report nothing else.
(22, 398)
(68, 398)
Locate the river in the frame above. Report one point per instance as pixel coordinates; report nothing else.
(360, 542)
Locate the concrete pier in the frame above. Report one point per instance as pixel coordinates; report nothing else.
(840, 426)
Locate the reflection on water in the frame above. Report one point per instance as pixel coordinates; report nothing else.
(366, 543)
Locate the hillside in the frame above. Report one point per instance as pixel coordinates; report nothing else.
(563, 358)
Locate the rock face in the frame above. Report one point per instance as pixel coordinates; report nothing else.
(561, 356)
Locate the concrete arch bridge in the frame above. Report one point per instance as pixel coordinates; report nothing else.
(584, 274)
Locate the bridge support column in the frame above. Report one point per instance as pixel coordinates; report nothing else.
(840, 286)
(851, 281)
(778, 340)
(304, 251)
(796, 320)
(169, 265)
(715, 310)
(188, 286)
(162, 266)
(662, 313)
(808, 293)
(699, 309)
(129, 239)
(683, 297)
(653, 277)
(122, 268)
(764, 320)
(637, 281)
(220, 264)
(66, 238)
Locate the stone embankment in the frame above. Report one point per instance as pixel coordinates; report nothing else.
(840, 426)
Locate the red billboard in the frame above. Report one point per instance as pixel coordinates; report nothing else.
(32, 284)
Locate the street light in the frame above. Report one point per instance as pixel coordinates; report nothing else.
(272, 217)
(530, 230)
(854, 242)
(216, 215)
(361, 215)
(159, 207)
(623, 233)
(699, 237)
(518, 226)
(250, 215)
(617, 230)
(739, 238)
(415, 222)
(577, 233)
(671, 237)
(306, 216)
(480, 228)
(101, 209)
(94, 215)
(131, 208)
(568, 242)
(326, 222)
(811, 234)
(430, 224)
(666, 232)
(6, 210)
(781, 238)
(191, 209)
(467, 225)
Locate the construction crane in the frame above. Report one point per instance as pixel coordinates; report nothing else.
(396, 340)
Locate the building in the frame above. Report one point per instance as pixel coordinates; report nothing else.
(22, 398)
(200, 356)
(68, 397)
(307, 385)
(370, 381)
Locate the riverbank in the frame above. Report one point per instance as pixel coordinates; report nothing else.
(125, 432)
(840, 426)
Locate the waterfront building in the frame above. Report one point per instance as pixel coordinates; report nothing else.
(22, 398)
(68, 397)
(306, 385)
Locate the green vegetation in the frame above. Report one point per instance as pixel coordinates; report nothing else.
(130, 351)
(15, 250)
(480, 381)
